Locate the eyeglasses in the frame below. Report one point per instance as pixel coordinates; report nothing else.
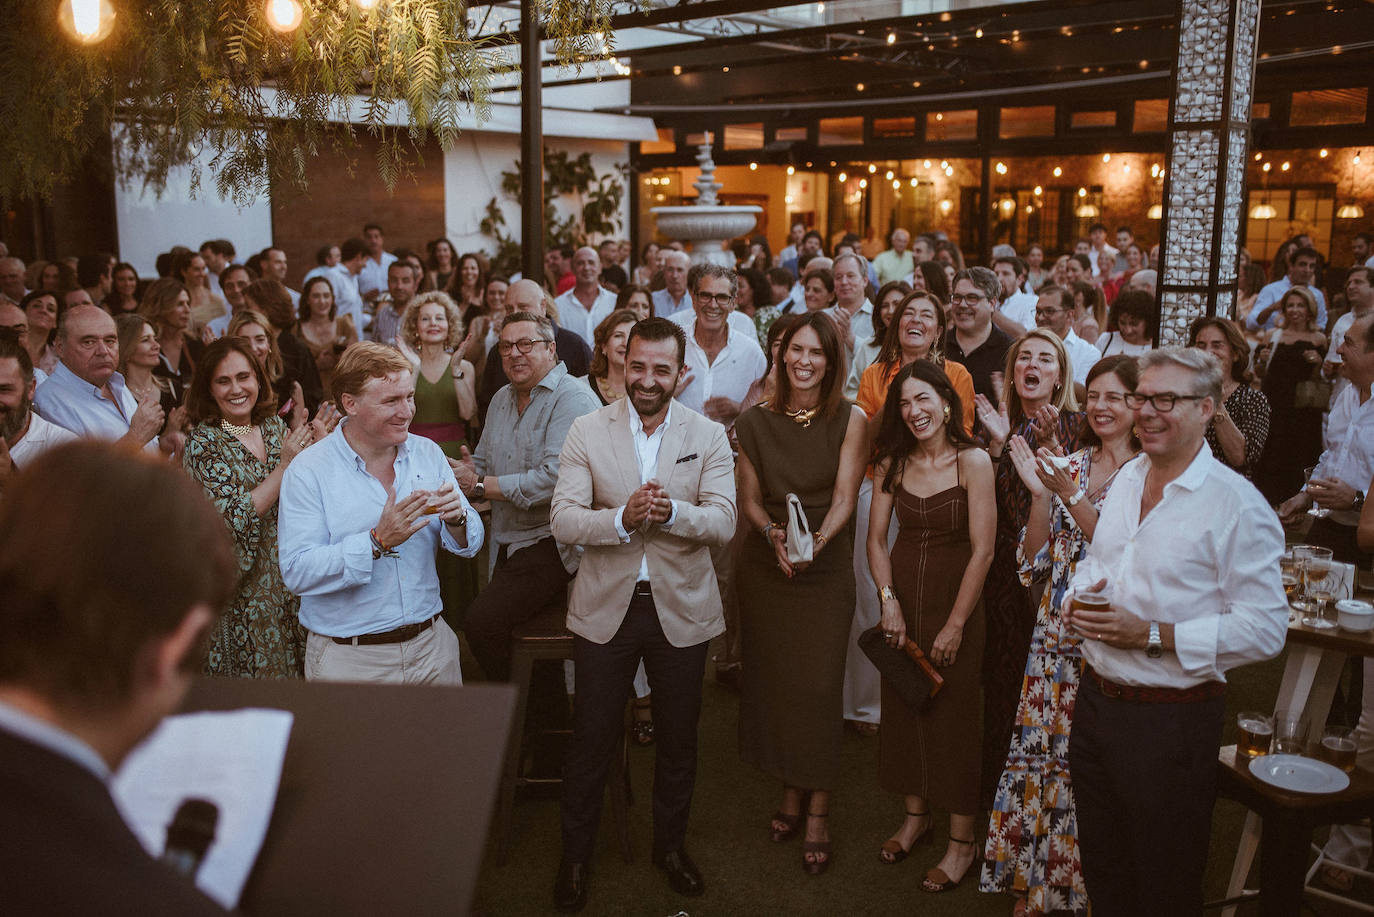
(1163, 402)
(1047, 312)
(721, 299)
(524, 345)
(972, 299)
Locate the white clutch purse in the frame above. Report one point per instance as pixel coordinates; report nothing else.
(800, 546)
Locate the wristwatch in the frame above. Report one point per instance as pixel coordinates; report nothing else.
(1359, 500)
(479, 490)
(1073, 501)
(1154, 646)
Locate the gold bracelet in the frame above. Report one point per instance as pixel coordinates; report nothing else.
(819, 539)
(768, 529)
(886, 594)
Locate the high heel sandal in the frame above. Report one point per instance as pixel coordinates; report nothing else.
(936, 882)
(820, 848)
(792, 821)
(892, 852)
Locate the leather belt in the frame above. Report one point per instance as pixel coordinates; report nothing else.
(1147, 695)
(398, 635)
(642, 589)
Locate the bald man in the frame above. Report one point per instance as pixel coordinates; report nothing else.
(86, 395)
(573, 352)
(583, 307)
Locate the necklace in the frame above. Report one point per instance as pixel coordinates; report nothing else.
(234, 429)
(803, 416)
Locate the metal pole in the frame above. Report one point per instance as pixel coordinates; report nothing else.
(531, 144)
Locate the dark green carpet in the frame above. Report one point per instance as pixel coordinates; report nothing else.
(746, 874)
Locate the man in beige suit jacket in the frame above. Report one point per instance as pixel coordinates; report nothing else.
(646, 487)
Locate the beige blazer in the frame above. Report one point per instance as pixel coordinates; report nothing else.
(598, 471)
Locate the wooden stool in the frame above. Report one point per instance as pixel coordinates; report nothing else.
(545, 636)
(1280, 824)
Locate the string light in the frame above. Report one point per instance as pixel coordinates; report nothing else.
(872, 168)
(1001, 168)
(88, 21)
(1106, 157)
(791, 170)
(1058, 171)
(863, 183)
(927, 163)
(753, 167)
(888, 175)
(843, 178)
(1285, 167)
(1082, 192)
(677, 70)
(1324, 153)
(1039, 190)
(892, 38)
(978, 33)
(284, 15)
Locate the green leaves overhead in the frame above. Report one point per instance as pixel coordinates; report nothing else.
(177, 77)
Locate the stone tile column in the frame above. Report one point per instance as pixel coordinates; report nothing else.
(1204, 189)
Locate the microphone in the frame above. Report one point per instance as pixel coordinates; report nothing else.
(189, 835)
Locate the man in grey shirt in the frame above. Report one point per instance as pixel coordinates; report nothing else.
(515, 468)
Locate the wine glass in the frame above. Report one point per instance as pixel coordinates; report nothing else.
(1323, 589)
(1320, 512)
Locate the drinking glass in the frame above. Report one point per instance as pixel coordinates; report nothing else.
(1321, 587)
(1319, 511)
(1255, 734)
(1290, 735)
(1338, 747)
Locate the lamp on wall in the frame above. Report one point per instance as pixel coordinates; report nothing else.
(1155, 212)
(1087, 212)
(1264, 211)
(1352, 210)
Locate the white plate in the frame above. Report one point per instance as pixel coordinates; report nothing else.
(1298, 774)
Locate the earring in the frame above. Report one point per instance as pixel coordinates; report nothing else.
(946, 413)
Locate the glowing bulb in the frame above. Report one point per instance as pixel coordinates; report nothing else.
(677, 70)
(1058, 171)
(939, 116)
(859, 87)
(949, 172)
(753, 167)
(946, 206)
(888, 176)
(913, 182)
(863, 183)
(1106, 157)
(896, 184)
(724, 69)
(787, 199)
(1324, 153)
(927, 163)
(88, 21)
(978, 33)
(872, 168)
(284, 15)
(1356, 160)
(369, 4)
(1285, 167)
(843, 178)
(1268, 166)
(1082, 192)
(1001, 168)
(944, 163)
(1126, 168)
(892, 38)
(1258, 157)
(1039, 190)
(791, 170)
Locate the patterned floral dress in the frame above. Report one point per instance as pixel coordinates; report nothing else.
(260, 635)
(1032, 845)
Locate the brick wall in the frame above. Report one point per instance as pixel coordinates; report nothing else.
(345, 191)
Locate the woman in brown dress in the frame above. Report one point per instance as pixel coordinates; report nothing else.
(794, 619)
(941, 486)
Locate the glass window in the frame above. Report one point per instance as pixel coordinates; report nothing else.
(952, 125)
(1088, 120)
(894, 127)
(841, 132)
(1151, 116)
(1026, 121)
(744, 136)
(1259, 111)
(1290, 211)
(1329, 106)
(666, 142)
(791, 134)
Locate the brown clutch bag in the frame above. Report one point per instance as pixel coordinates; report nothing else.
(906, 668)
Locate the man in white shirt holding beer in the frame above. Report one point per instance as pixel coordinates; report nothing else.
(1179, 613)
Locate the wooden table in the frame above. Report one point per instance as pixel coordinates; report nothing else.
(1315, 660)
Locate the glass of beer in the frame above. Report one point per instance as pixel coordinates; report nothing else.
(1338, 747)
(1255, 733)
(1090, 601)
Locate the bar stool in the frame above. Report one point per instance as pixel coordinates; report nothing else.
(546, 636)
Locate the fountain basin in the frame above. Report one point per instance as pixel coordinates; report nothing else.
(703, 226)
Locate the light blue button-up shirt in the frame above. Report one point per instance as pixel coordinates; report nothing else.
(329, 505)
(71, 402)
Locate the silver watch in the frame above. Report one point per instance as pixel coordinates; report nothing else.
(1154, 646)
(479, 490)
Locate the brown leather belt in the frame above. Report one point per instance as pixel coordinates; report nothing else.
(399, 635)
(1147, 695)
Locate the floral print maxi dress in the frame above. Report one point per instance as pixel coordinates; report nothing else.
(1032, 844)
(259, 635)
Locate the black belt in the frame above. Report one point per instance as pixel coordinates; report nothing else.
(642, 589)
(398, 635)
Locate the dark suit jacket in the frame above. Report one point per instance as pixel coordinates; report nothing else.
(65, 850)
(572, 351)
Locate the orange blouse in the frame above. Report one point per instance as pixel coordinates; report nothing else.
(875, 380)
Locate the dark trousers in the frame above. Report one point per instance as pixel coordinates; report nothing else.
(1144, 780)
(523, 584)
(1341, 540)
(605, 678)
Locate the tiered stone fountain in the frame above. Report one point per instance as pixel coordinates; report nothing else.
(708, 224)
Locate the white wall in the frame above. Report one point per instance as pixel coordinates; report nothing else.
(149, 225)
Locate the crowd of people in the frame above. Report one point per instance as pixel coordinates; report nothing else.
(786, 456)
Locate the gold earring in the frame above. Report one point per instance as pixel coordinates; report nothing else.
(946, 413)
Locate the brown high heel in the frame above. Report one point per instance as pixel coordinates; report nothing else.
(936, 882)
(820, 848)
(892, 852)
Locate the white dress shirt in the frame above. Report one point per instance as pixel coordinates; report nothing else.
(646, 453)
(1219, 586)
(1272, 293)
(39, 438)
(373, 275)
(578, 319)
(1020, 308)
(329, 505)
(738, 365)
(45, 735)
(665, 305)
(1082, 355)
(1338, 332)
(1348, 454)
(737, 320)
(74, 404)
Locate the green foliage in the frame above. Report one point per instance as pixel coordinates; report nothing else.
(179, 76)
(598, 199)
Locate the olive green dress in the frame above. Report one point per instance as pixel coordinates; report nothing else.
(794, 632)
(260, 635)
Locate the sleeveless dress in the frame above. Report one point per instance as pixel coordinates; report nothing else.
(934, 754)
(437, 419)
(794, 632)
(1032, 843)
(1295, 434)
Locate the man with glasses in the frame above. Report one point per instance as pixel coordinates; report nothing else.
(515, 469)
(85, 395)
(1346, 465)
(1054, 310)
(1186, 554)
(722, 362)
(975, 341)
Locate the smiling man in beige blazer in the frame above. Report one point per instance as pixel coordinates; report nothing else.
(647, 487)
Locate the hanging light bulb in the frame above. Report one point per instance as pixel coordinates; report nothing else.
(1039, 190)
(863, 183)
(284, 15)
(753, 167)
(1001, 168)
(1058, 171)
(946, 206)
(872, 168)
(927, 163)
(842, 177)
(888, 176)
(1155, 212)
(88, 21)
(896, 184)
(1263, 212)
(913, 182)
(791, 170)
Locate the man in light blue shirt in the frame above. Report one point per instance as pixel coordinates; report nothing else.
(85, 395)
(362, 514)
(1302, 267)
(673, 297)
